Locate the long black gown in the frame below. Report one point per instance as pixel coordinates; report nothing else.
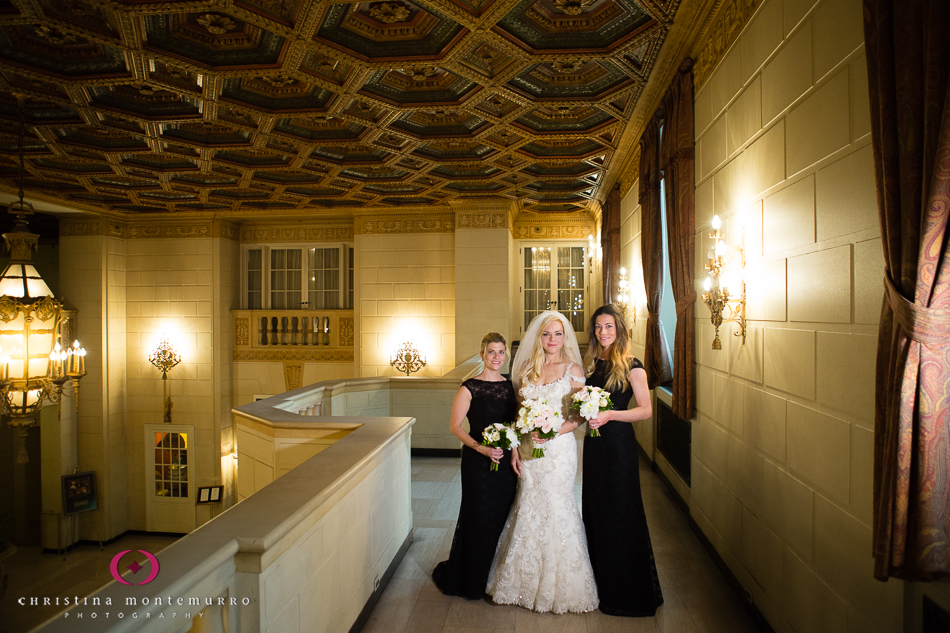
(616, 526)
(486, 496)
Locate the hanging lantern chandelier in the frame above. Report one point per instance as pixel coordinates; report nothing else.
(35, 362)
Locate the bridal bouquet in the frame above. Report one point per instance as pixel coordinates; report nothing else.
(538, 415)
(500, 435)
(590, 401)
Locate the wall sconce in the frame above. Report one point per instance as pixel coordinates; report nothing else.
(407, 358)
(718, 285)
(164, 357)
(623, 297)
(591, 248)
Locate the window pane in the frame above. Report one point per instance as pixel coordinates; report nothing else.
(324, 278)
(255, 278)
(570, 284)
(286, 275)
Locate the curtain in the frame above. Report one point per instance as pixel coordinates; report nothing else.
(655, 357)
(676, 164)
(908, 59)
(610, 243)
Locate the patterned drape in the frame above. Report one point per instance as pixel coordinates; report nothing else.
(676, 163)
(908, 59)
(656, 358)
(610, 243)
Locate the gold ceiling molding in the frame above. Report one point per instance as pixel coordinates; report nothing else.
(554, 226)
(301, 355)
(691, 23)
(271, 107)
(332, 231)
(729, 22)
(169, 229)
(415, 223)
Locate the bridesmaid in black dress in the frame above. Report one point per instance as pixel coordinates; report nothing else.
(616, 526)
(486, 495)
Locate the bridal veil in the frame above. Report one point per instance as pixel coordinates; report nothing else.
(570, 352)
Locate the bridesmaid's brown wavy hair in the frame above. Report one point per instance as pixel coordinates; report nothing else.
(618, 355)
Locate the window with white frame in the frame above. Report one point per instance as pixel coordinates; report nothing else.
(307, 277)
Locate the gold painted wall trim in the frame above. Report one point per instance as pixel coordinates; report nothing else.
(305, 355)
(329, 231)
(732, 17)
(554, 226)
(437, 222)
(153, 229)
(481, 220)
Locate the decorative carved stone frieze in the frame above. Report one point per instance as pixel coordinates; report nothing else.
(732, 16)
(481, 220)
(346, 332)
(255, 234)
(150, 230)
(293, 375)
(242, 331)
(553, 226)
(431, 223)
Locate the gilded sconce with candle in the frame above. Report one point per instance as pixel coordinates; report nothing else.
(720, 287)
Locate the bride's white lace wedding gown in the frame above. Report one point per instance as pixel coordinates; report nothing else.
(542, 562)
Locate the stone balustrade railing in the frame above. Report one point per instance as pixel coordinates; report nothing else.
(270, 329)
(315, 537)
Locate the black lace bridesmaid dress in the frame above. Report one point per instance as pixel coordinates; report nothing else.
(616, 526)
(486, 496)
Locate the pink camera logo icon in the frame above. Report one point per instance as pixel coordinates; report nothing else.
(135, 567)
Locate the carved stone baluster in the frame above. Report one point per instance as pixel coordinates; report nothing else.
(295, 332)
(211, 621)
(316, 330)
(304, 330)
(274, 328)
(263, 332)
(326, 330)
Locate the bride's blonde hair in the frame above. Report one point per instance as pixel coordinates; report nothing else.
(534, 368)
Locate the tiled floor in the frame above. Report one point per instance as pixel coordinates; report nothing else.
(696, 597)
(85, 569)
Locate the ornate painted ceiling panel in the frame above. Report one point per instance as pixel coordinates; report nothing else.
(242, 106)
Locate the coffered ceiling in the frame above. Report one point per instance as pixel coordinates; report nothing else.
(237, 107)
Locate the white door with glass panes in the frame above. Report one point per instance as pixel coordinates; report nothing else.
(298, 277)
(170, 478)
(555, 277)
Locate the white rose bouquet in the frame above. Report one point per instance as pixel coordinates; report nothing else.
(538, 415)
(502, 436)
(590, 401)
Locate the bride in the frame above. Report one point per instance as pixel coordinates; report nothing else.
(541, 562)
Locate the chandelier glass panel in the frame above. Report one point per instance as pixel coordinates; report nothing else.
(35, 360)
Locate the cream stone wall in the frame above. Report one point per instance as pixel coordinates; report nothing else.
(482, 287)
(227, 288)
(91, 279)
(128, 292)
(171, 290)
(267, 378)
(405, 284)
(782, 440)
